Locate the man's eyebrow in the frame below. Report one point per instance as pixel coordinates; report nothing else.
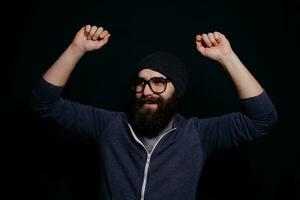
(151, 77)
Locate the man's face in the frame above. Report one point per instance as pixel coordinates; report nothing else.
(151, 111)
(146, 74)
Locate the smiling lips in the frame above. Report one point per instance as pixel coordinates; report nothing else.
(150, 102)
(150, 105)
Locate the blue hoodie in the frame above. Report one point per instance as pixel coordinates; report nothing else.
(173, 168)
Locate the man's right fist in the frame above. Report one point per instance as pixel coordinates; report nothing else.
(90, 38)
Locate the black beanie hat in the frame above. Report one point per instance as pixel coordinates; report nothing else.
(168, 65)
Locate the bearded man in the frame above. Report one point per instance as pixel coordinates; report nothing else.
(153, 152)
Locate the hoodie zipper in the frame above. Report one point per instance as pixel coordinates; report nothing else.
(148, 158)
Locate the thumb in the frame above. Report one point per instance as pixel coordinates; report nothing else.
(201, 50)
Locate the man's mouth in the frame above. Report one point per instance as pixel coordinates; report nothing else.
(150, 105)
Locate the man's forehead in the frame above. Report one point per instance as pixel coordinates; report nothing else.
(149, 73)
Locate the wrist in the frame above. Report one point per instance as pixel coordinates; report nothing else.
(76, 50)
(226, 59)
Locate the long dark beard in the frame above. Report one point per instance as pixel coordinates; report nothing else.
(148, 122)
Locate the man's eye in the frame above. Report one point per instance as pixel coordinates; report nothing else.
(139, 82)
(158, 81)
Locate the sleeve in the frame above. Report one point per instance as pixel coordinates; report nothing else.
(258, 115)
(86, 121)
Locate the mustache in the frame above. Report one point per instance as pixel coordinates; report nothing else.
(144, 100)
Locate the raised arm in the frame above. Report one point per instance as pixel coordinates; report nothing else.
(216, 47)
(87, 121)
(88, 38)
(259, 113)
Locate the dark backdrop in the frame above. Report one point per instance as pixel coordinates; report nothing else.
(42, 161)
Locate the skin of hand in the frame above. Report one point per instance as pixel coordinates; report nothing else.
(213, 45)
(90, 38)
(216, 47)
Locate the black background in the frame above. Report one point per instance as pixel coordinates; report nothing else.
(41, 161)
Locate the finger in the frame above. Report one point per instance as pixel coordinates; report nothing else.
(199, 41)
(104, 34)
(206, 40)
(97, 33)
(103, 41)
(211, 38)
(218, 36)
(199, 44)
(87, 29)
(198, 38)
(92, 32)
(106, 38)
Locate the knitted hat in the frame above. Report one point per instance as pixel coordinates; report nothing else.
(168, 65)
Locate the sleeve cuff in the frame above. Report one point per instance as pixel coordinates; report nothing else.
(46, 91)
(257, 105)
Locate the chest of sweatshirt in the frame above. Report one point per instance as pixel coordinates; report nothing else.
(119, 138)
(176, 160)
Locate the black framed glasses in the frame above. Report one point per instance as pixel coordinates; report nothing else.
(157, 84)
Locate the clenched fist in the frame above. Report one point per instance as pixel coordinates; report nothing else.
(213, 45)
(90, 38)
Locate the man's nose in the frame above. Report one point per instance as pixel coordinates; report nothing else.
(147, 90)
